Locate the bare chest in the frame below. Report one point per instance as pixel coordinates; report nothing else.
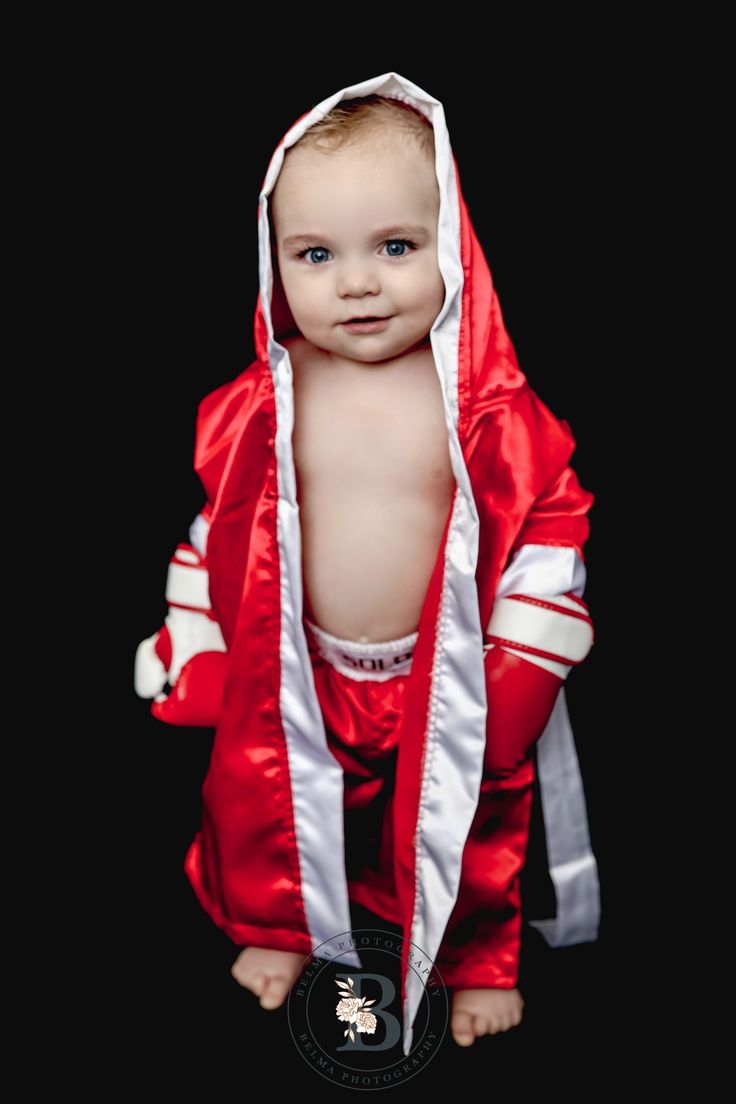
(383, 427)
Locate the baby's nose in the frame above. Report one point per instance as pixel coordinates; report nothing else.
(358, 279)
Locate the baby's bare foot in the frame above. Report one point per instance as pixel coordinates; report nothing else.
(269, 974)
(478, 1012)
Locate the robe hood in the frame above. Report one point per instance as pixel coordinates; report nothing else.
(270, 854)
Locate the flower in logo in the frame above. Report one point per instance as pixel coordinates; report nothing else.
(350, 1009)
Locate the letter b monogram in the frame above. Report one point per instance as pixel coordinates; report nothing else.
(361, 1039)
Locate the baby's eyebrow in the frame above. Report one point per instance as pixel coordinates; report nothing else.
(406, 229)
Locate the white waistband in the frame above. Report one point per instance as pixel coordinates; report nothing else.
(377, 660)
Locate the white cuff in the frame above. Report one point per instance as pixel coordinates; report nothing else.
(558, 629)
(554, 575)
(187, 583)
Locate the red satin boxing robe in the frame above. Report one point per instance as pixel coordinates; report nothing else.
(268, 861)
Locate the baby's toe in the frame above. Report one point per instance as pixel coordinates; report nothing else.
(480, 1025)
(462, 1028)
(240, 971)
(256, 983)
(244, 976)
(513, 1015)
(274, 994)
(499, 1021)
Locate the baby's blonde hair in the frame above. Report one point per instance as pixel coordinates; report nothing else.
(369, 119)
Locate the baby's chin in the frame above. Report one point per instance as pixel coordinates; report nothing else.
(356, 349)
(376, 349)
(382, 354)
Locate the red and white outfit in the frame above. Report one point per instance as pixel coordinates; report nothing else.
(305, 753)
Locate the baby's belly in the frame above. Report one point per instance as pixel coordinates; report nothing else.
(367, 563)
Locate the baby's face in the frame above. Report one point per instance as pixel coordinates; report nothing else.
(356, 235)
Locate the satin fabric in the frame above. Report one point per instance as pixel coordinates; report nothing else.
(268, 863)
(363, 721)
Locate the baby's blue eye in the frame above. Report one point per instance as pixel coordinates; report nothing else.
(402, 243)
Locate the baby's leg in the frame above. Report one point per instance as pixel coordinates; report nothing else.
(479, 955)
(360, 722)
(269, 974)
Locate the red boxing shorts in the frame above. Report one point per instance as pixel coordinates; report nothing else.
(361, 690)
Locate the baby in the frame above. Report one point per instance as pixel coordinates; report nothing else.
(355, 233)
(355, 230)
(429, 486)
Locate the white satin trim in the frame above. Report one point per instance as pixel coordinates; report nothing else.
(187, 584)
(572, 865)
(198, 533)
(554, 570)
(453, 761)
(549, 569)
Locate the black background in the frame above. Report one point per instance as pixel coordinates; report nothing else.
(553, 166)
